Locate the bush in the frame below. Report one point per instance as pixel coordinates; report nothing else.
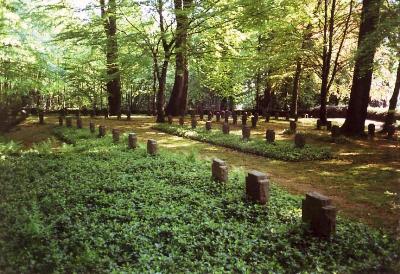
(280, 150)
(101, 208)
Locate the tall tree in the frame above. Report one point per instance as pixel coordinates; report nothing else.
(178, 100)
(109, 17)
(363, 69)
(390, 117)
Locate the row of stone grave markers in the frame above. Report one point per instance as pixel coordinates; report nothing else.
(335, 132)
(317, 209)
(152, 147)
(299, 139)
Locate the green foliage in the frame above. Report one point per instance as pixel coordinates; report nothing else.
(280, 150)
(8, 147)
(103, 208)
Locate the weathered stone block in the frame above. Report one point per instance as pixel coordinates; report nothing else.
(209, 116)
(181, 121)
(293, 126)
(299, 140)
(68, 121)
(115, 135)
(317, 210)
(244, 118)
(60, 121)
(371, 130)
(219, 171)
(254, 121)
(194, 122)
(234, 118)
(270, 135)
(41, 118)
(329, 125)
(102, 131)
(152, 147)
(92, 127)
(132, 141)
(218, 116)
(257, 187)
(391, 130)
(319, 124)
(225, 128)
(208, 125)
(246, 132)
(335, 132)
(79, 123)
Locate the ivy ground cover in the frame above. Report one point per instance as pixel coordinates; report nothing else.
(96, 206)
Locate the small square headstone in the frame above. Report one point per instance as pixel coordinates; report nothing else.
(219, 171)
(257, 187)
(152, 147)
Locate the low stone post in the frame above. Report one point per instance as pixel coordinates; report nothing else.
(92, 127)
(201, 115)
(194, 122)
(244, 119)
(60, 121)
(152, 147)
(41, 118)
(371, 130)
(102, 131)
(79, 122)
(270, 135)
(254, 121)
(170, 119)
(219, 171)
(234, 118)
(267, 118)
(318, 212)
(329, 125)
(132, 141)
(209, 116)
(181, 120)
(208, 125)
(115, 135)
(246, 132)
(335, 132)
(128, 116)
(68, 121)
(299, 140)
(257, 187)
(319, 124)
(391, 130)
(227, 115)
(293, 126)
(225, 128)
(218, 116)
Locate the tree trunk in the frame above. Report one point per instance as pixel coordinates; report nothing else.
(391, 115)
(162, 80)
(295, 92)
(367, 45)
(178, 100)
(114, 79)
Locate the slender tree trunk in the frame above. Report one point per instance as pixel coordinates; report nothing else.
(114, 79)
(162, 80)
(178, 100)
(367, 45)
(391, 115)
(296, 85)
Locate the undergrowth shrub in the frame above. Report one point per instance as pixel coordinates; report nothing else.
(280, 150)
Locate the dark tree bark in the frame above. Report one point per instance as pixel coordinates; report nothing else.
(178, 100)
(362, 77)
(391, 115)
(114, 79)
(295, 92)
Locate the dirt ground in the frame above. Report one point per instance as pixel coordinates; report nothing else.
(363, 179)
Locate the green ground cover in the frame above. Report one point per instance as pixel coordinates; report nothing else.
(280, 150)
(96, 206)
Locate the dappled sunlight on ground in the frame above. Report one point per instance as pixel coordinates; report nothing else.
(358, 177)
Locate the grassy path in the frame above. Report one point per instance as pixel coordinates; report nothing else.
(363, 179)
